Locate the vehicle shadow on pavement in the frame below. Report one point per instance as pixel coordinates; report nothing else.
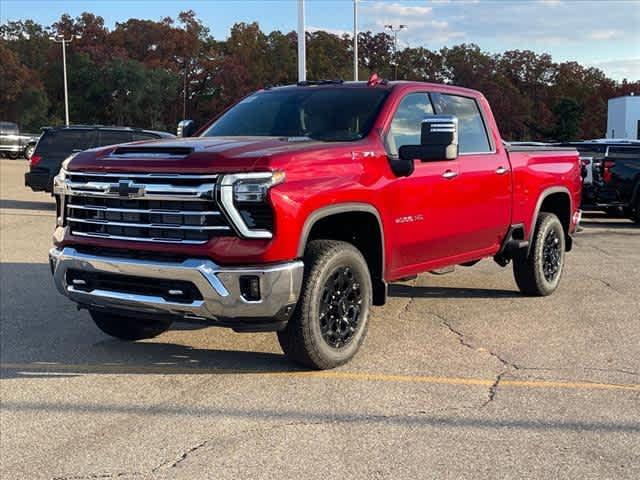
(26, 205)
(43, 334)
(409, 291)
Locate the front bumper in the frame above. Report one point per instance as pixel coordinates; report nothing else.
(222, 300)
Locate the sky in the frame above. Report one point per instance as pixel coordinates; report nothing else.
(601, 33)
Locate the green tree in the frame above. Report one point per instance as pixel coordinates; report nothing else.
(568, 114)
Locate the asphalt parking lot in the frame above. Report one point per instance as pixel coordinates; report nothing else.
(460, 377)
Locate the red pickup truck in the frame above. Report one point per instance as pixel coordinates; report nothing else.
(294, 209)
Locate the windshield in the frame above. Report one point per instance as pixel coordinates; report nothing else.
(328, 114)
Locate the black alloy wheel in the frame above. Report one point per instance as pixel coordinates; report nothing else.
(551, 255)
(340, 307)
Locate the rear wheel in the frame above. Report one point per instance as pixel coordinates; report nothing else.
(12, 155)
(331, 319)
(538, 272)
(128, 327)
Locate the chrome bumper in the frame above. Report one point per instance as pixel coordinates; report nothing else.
(219, 286)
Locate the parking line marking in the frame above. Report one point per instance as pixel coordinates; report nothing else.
(332, 374)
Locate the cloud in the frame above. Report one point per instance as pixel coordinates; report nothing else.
(335, 31)
(628, 68)
(603, 35)
(423, 26)
(398, 10)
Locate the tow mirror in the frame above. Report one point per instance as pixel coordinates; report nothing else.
(438, 140)
(186, 128)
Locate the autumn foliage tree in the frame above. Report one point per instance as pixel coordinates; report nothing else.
(153, 73)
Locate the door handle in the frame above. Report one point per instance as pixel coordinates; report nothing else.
(449, 174)
(501, 170)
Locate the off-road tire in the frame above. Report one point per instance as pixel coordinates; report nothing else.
(528, 269)
(302, 340)
(128, 328)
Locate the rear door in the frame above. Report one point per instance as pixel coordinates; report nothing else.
(482, 190)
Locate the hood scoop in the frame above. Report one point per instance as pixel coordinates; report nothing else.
(160, 152)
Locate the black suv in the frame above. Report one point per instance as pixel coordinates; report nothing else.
(57, 143)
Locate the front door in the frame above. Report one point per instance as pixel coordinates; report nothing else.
(424, 209)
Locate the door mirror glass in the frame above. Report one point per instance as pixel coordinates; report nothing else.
(186, 128)
(438, 140)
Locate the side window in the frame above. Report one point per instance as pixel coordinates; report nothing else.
(406, 124)
(472, 135)
(137, 136)
(113, 137)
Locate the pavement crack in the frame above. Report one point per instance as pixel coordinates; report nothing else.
(96, 476)
(507, 365)
(493, 389)
(461, 338)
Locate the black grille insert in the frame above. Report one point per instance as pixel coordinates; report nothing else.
(170, 290)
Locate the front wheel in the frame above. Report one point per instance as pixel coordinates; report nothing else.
(128, 328)
(331, 319)
(538, 272)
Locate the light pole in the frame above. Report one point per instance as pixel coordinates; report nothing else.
(355, 40)
(395, 31)
(302, 54)
(61, 39)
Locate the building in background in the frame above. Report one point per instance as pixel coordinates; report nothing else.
(623, 118)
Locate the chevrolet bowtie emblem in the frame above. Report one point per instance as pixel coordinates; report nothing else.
(127, 189)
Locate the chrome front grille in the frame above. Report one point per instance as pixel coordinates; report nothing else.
(163, 208)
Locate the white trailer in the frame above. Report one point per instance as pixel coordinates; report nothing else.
(623, 118)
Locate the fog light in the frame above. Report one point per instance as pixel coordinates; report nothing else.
(250, 288)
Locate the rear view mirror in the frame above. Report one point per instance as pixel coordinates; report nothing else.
(186, 128)
(438, 140)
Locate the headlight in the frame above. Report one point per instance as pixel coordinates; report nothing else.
(244, 199)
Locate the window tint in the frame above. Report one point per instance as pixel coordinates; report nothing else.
(65, 141)
(137, 136)
(472, 135)
(113, 137)
(406, 125)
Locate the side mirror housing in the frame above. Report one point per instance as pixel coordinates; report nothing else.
(438, 140)
(186, 128)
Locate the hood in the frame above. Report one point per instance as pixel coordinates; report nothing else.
(194, 155)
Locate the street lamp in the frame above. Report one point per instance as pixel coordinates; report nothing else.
(394, 30)
(61, 39)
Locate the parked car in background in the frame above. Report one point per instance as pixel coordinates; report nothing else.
(293, 210)
(612, 180)
(14, 143)
(57, 143)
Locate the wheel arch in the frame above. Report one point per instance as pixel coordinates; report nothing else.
(359, 218)
(556, 200)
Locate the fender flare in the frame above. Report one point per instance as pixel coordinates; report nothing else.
(541, 198)
(334, 209)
